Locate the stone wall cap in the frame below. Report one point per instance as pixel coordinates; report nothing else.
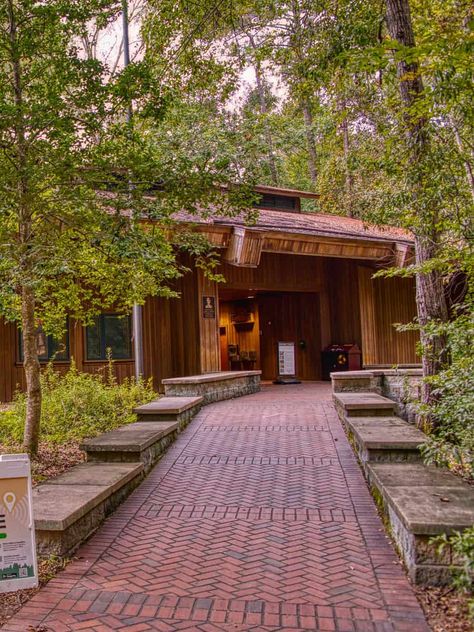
(387, 436)
(168, 404)
(210, 377)
(59, 503)
(351, 375)
(131, 437)
(412, 475)
(355, 401)
(433, 510)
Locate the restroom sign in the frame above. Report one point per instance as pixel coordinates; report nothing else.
(286, 359)
(18, 566)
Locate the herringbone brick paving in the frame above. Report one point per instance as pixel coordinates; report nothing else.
(257, 518)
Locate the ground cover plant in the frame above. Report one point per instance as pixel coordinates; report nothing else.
(75, 405)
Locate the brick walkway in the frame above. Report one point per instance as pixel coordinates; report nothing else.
(257, 518)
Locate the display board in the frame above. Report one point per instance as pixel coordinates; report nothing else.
(18, 566)
(286, 359)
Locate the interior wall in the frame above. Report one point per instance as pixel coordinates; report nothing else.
(247, 337)
(343, 292)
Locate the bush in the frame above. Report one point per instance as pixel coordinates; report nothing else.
(462, 545)
(77, 405)
(451, 440)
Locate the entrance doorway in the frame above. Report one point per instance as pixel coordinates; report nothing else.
(252, 323)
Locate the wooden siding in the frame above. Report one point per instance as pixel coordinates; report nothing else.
(276, 272)
(342, 287)
(290, 317)
(208, 327)
(384, 303)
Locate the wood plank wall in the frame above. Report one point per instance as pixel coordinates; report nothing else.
(385, 302)
(277, 272)
(209, 347)
(12, 376)
(342, 288)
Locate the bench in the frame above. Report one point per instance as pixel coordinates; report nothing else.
(143, 441)
(178, 409)
(384, 439)
(420, 502)
(214, 387)
(68, 508)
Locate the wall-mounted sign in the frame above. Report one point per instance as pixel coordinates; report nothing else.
(18, 567)
(286, 359)
(208, 306)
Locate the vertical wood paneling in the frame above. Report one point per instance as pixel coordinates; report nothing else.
(248, 340)
(342, 285)
(208, 327)
(367, 316)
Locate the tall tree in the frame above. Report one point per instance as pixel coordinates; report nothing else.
(430, 297)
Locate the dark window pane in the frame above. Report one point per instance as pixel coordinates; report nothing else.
(117, 335)
(279, 202)
(93, 346)
(48, 348)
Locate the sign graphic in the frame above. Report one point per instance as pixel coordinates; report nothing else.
(18, 568)
(208, 306)
(286, 359)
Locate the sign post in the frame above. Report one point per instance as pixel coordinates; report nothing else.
(18, 565)
(286, 363)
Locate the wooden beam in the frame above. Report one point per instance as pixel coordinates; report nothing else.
(245, 248)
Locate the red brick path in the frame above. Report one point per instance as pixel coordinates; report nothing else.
(257, 518)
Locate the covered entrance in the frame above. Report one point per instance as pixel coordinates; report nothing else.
(251, 323)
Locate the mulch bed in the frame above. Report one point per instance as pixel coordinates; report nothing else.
(446, 609)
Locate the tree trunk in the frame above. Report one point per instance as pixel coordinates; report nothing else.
(32, 371)
(264, 111)
(349, 181)
(30, 354)
(430, 298)
(311, 143)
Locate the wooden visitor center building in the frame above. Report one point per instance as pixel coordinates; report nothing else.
(294, 277)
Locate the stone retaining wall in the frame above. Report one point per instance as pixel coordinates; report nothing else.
(216, 390)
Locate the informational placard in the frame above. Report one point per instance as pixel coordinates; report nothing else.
(208, 306)
(18, 566)
(286, 359)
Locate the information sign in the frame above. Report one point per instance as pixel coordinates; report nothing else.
(286, 359)
(18, 566)
(208, 307)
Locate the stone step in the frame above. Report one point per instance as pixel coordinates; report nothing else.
(363, 404)
(180, 409)
(68, 508)
(384, 439)
(355, 382)
(421, 502)
(142, 441)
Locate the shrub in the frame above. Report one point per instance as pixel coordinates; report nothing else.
(451, 440)
(77, 405)
(462, 545)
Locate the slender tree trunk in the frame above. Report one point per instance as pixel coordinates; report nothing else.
(349, 180)
(467, 163)
(32, 371)
(430, 298)
(264, 111)
(30, 355)
(311, 143)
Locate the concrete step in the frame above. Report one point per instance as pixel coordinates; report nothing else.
(143, 441)
(214, 387)
(363, 404)
(179, 409)
(68, 508)
(384, 439)
(420, 502)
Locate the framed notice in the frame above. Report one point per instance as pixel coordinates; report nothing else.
(208, 306)
(18, 566)
(286, 359)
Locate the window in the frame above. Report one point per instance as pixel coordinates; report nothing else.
(278, 202)
(109, 331)
(48, 348)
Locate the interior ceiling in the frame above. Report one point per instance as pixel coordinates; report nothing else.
(229, 294)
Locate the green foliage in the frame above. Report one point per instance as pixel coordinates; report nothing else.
(77, 405)
(451, 439)
(462, 546)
